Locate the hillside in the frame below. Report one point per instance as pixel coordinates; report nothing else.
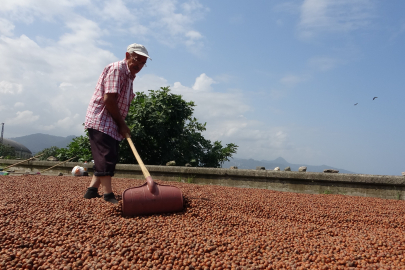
(38, 142)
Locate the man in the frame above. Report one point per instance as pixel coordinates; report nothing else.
(105, 117)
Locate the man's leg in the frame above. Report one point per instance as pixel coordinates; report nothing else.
(105, 182)
(108, 193)
(105, 154)
(92, 190)
(95, 182)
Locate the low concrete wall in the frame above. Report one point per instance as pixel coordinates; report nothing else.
(382, 186)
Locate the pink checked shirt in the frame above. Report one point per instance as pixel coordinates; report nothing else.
(116, 78)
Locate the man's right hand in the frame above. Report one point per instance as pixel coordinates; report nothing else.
(124, 131)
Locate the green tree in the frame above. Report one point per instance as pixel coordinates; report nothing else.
(47, 152)
(7, 151)
(79, 148)
(163, 129)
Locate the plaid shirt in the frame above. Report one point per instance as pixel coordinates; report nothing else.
(116, 78)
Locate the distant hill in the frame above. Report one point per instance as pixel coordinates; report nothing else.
(38, 142)
(278, 162)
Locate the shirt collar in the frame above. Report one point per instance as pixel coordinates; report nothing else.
(127, 70)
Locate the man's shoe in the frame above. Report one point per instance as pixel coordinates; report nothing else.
(109, 197)
(91, 193)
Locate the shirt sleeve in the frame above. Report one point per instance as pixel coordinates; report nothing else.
(112, 81)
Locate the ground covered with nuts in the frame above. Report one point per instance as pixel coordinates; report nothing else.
(45, 223)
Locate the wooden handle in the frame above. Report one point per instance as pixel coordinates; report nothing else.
(21, 162)
(57, 164)
(138, 158)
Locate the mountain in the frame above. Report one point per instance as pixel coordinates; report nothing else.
(278, 162)
(38, 142)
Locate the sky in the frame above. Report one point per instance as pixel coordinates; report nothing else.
(278, 78)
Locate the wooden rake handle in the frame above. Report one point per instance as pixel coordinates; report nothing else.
(149, 181)
(138, 158)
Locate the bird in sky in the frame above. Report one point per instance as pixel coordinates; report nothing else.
(356, 104)
(374, 98)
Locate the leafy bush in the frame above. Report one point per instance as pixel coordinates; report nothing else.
(78, 148)
(163, 129)
(6, 151)
(51, 151)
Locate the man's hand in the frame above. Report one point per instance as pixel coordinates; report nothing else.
(111, 104)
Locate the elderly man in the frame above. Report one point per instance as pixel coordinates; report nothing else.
(105, 117)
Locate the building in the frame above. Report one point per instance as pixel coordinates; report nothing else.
(20, 150)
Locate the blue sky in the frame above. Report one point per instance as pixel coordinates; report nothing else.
(278, 78)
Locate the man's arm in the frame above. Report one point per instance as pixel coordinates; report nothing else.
(111, 104)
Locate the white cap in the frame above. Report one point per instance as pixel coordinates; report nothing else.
(138, 49)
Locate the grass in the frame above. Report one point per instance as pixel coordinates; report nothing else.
(398, 193)
(190, 179)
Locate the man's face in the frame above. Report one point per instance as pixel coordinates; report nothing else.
(135, 62)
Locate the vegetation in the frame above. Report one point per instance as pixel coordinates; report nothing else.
(7, 152)
(79, 148)
(162, 129)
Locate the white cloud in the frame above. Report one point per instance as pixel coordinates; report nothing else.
(193, 35)
(24, 117)
(210, 103)
(203, 83)
(139, 30)
(59, 73)
(67, 122)
(6, 27)
(28, 11)
(194, 43)
(146, 82)
(85, 34)
(46, 128)
(193, 6)
(116, 10)
(10, 88)
(64, 86)
(57, 80)
(169, 22)
(172, 24)
(320, 16)
(224, 114)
